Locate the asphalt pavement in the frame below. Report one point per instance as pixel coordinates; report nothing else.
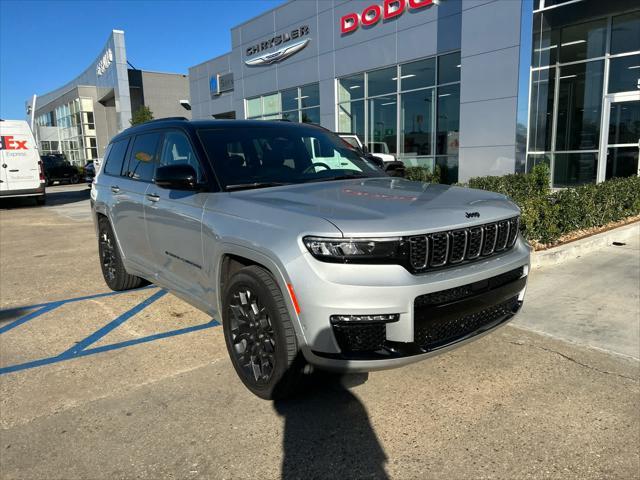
(138, 385)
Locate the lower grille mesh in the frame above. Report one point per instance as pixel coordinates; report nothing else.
(434, 334)
(360, 338)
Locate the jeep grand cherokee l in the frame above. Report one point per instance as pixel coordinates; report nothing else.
(308, 254)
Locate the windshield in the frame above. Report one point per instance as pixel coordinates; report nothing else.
(256, 157)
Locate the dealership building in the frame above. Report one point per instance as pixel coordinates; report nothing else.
(79, 118)
(477, 87)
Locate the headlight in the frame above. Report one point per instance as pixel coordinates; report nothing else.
(355, 250)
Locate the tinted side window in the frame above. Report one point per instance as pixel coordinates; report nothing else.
(177, 149)
(142, 161)
(115, 157)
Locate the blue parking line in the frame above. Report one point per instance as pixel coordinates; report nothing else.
(98, 334)
(75, 299)
(81, 350)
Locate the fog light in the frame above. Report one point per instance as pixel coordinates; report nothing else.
(380, 318)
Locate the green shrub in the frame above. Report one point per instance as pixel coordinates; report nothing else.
(517, 186)
(421, 174)
(546, 216)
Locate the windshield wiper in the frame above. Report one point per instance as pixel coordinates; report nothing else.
(339, 177)
(249, 186)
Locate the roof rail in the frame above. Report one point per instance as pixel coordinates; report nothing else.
(166, 119)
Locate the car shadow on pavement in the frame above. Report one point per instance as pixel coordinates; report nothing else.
(54, 198)
(327, 433)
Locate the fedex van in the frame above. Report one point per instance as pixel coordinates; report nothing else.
(21, 172)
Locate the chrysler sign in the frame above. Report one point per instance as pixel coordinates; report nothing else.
(290, 42)
(374, 13)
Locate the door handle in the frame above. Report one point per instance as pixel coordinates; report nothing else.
(153, 197)
(14, 170)
(115, 189)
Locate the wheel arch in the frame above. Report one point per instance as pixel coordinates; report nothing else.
(235, 258)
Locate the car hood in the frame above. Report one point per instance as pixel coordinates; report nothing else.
(382, 206)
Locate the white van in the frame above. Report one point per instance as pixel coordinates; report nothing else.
(21, 171)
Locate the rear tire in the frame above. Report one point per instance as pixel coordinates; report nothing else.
(113, 270)
(259, 334)
(74, 179)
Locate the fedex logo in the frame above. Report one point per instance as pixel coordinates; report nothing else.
(373, 13)
(8, 143)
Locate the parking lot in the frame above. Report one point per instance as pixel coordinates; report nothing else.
(138, 384)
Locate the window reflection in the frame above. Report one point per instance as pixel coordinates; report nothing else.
(580, 42)
(541, 118)
(579, 106)
(624, 74)
(416, 130)
(383, 81)
(573, 169)
(625, 33)
(448, 133)
(382, 124)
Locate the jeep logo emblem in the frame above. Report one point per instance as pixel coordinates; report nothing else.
(472, 214)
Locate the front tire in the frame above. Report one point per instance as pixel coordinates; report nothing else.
(113, 270)
(259, 334)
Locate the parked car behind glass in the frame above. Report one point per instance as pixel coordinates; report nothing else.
(58, 169)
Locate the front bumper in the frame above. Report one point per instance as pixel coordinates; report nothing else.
(422, 330)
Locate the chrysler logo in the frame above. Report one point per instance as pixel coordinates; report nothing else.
(472, 214)
(278, 55)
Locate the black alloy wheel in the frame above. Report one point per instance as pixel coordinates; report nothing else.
(252, 335)
(113, 271)
(259, 334)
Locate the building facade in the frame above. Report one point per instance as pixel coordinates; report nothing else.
(79, 118)
(452, 83)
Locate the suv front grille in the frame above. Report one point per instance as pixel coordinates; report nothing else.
(443, 249)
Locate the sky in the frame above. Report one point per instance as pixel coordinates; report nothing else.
(44, 44)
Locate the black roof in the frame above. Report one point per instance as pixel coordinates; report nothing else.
(183, 123)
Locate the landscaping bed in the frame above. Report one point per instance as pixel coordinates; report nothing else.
(550, 218)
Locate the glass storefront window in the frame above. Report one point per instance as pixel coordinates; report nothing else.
(541, 121)
(310, 95)
(545, 43)
(289, 99)
(271, 104)
(537, 158)
(580, 42)
(382, 124)
(448, 124)
(381, 82)
(287, 105)
(418, 74)
(416, 127)
(254, 107)
(449, 68)
(310, 115)
(351, 118)
(579, 106)
(624, 73)
(573, 169)
(351, 88)
(624, 123)
(625, 33)
(622, 162)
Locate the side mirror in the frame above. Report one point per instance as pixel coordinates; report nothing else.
(180, 176)
(365, 150)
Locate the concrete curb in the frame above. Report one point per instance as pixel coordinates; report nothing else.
(562, 253)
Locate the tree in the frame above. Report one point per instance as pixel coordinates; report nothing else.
(142, 115)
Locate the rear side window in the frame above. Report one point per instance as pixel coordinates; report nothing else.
(115, 157)
(143, 158)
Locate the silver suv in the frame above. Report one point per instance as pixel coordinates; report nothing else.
(308, 254)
